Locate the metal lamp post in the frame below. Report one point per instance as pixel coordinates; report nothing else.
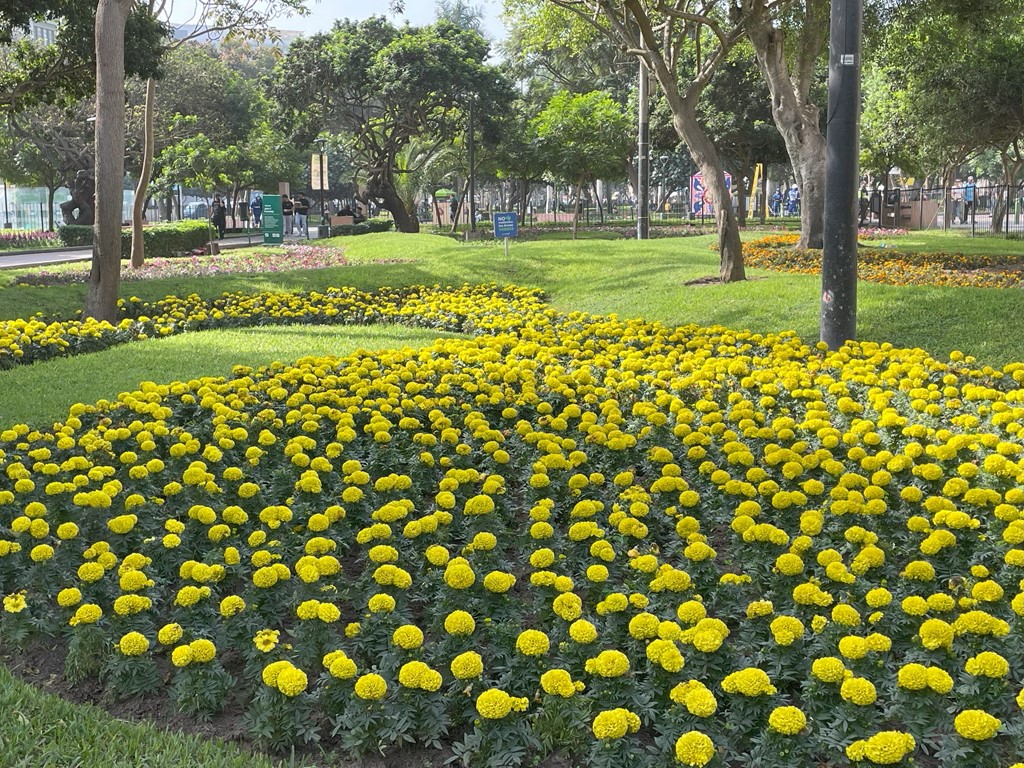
(7, 212)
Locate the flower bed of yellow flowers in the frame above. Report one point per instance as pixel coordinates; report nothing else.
(637, 544)
(892, 267)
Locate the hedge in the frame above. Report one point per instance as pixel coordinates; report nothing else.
(362, 228)
(161, 240)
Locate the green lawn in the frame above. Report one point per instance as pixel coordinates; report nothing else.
(635, 278)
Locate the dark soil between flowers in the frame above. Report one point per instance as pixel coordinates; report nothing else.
(42, 666)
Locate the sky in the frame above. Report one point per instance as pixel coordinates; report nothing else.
(323, 14)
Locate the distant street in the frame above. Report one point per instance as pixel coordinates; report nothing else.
(24, 259)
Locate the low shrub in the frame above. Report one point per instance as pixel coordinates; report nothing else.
(72, 235)
(168, 240)
(162, 240)
(362, 228)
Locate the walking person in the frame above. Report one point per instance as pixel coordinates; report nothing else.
(301, 208)
(256, 206)
(219, 216)
(287, 211)
(970, 190)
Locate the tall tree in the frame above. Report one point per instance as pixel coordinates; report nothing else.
(105, 274)
(664, 37)
(583, 137)
(788, 40)
(385, 87)
(737, 113)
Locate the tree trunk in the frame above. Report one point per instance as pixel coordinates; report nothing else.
(105, 275)
(139, 203)
(741, 197)
(796, 117)
(704, 154)
(51, 192)
(404, 221)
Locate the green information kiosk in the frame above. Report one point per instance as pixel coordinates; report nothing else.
(273, 221)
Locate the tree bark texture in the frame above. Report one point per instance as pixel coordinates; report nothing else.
(105, 275)
(796, 117)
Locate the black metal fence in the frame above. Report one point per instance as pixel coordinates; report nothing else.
(986, 210)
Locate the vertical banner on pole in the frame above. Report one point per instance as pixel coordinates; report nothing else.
(318, 172)
(273, 221)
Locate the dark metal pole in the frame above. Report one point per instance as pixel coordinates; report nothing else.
(643, 161)
(7, 212)
(472, 168)
(839, 259)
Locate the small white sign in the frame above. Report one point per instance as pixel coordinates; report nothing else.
(849, 59)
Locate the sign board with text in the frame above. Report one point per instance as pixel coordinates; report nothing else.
(506, 224)
(273, 221)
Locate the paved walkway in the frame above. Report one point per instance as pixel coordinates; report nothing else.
(42, 258)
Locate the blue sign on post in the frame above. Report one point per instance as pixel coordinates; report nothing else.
(506, 224)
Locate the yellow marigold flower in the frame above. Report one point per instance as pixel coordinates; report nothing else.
(859, 691)
(231, 605)
(381, 603)
(608, 664)
(371, 687)
(558, 682)
(181, 656)
(291, 681)
(976, 724)
(935, 634)
(499, 582)
(341, 666)
(694, 749)
(615, 723)
(467, 665)
(87, 613)
(532, 642)
(758, 608)
(459, 575)
(169, 634)
(853, 647)
(408, 637)
(70, 597)
(988, 664)
(884, 748)
(829, 669)
(789, 721)
(568, 606)
(939, 680)
(203, 650)
(583, 632)
(495, 704)
(749, 682)
(786, 629)
(644, 626)
(266, 639)
(133, 644)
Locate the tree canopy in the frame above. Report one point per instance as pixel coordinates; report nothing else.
(382, 87)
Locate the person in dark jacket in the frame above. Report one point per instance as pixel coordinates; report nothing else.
(287, 209)
(257, 210)
(219, 215)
